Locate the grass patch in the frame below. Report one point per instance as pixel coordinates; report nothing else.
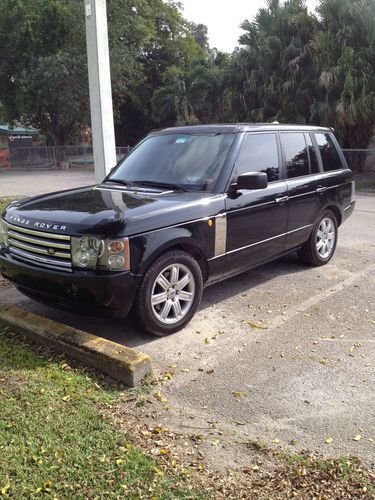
(55, 440)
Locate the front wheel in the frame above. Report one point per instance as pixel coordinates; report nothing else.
(170, 293)
(320, 247)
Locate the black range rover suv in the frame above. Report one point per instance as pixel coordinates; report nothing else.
(187, 207)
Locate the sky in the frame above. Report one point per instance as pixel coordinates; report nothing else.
(223, 18)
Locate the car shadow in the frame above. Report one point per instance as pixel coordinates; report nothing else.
(125, 330)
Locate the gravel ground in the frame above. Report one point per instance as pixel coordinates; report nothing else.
(283, 354)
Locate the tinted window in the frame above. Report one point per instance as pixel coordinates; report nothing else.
(314, 165)
(295, 150)
(328, 152)
(190, 161)
(259, 154)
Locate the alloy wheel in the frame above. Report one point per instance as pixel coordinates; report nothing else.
(325, 238)
(173, 293)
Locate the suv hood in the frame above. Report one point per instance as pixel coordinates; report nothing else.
(105, 211)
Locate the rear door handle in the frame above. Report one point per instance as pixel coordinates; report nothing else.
(321, 189)
(282, 199)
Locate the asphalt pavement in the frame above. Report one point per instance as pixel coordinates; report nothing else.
(283, 354)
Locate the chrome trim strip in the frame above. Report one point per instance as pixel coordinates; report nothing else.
(220, 234)
(35, 259)
(27, 239)
(31, 249)
(299, 228)
(251, 206)
(302, 194)
(38, 233)
(347, 208)
(259, 242)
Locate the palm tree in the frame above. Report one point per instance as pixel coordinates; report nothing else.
(345, 58)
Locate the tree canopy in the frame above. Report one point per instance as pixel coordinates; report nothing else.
(291, 65)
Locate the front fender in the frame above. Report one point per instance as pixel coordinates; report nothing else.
(197, 237)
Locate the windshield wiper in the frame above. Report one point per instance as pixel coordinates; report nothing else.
(162, 185)
(119, 181)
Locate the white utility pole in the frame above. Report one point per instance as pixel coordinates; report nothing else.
(103, 132)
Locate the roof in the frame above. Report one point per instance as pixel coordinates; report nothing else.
(7, 129)
(236, 128)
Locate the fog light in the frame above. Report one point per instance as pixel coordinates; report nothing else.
(116, 261)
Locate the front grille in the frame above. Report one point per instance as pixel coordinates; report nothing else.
(39, 248)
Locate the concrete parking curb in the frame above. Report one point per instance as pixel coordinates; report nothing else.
(122, 363)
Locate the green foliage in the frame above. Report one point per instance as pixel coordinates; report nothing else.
(291, 66)
(345, 56)
(54, 441)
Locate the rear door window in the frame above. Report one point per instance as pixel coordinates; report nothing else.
(259, 153)
(296, 156)
(314, 164)
(328, 152)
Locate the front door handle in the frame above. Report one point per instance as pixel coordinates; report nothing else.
(282, 199)
(321, 189)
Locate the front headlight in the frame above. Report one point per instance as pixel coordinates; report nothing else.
(3, 233)
(86, 251)
(90, 252)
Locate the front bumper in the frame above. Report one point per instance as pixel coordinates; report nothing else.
(80, 291)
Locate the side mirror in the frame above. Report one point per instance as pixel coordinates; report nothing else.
(252, 180)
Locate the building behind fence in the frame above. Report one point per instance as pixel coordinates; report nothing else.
(361, 161)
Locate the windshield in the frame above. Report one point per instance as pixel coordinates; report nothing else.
(185, 161)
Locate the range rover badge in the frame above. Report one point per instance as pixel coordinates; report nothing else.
(51, 251)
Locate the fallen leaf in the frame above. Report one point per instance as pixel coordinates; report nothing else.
(357, 437)
(185, 370)
(215, 442)
(5, 489)
(276, 441)
(67, 398)
(329, 440)
(160, 398)
(256, 325)
(239, 394)
(163, 451)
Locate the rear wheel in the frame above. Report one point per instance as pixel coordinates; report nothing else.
(320, 247)
(170, 293)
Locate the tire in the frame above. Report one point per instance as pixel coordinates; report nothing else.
(320, 247)
(170, 293)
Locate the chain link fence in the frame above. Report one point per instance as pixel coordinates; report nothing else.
(362, 164)
(360, 161)
(51, 157)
